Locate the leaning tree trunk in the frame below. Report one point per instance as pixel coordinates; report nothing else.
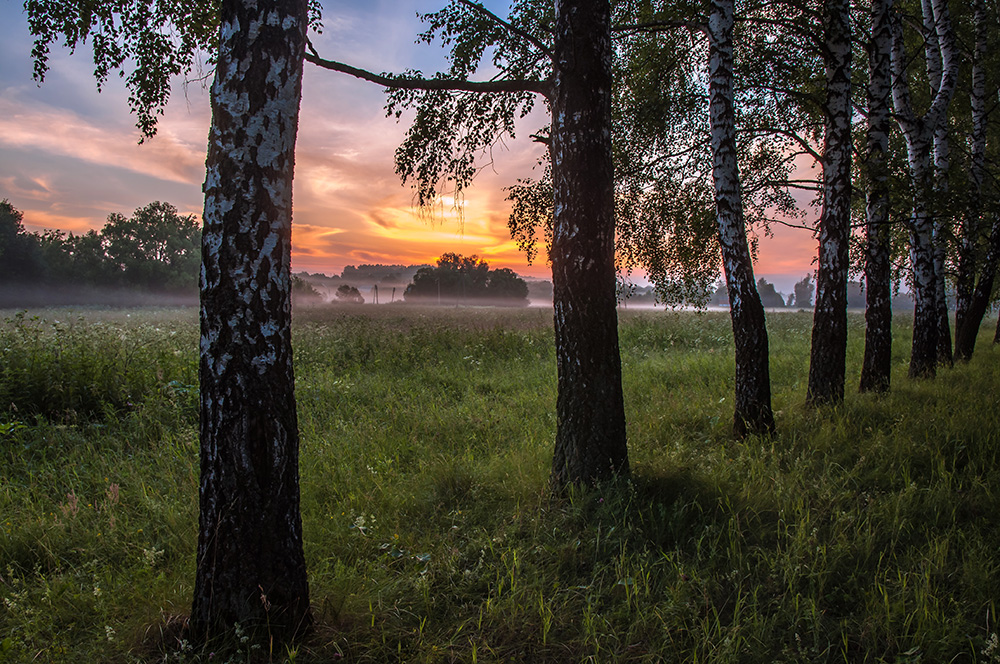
(972, 298)
(828, 356)
(967, 333)
(753, 413)
(250, 568)
(590, 435)
(919, 133)
(875, 371)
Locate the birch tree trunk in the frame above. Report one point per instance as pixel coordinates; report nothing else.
(875, 371)
(942, 159)
(753, 413)
(972, 297)
(828, 356)
(919, 133)
(590, 435)
(250, 568)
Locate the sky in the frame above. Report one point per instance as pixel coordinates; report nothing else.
(69, 156)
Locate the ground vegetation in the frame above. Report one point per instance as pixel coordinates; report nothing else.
(864, 535)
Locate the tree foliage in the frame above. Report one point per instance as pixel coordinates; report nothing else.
(349, 294)
(802, 293)
(20, 251)
(155, 249)
(466, 279)
(769, 297)
(147, 43)
(453, 130)
(144, 42)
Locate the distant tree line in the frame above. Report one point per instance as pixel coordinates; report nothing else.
(154, 249)
(455, 279)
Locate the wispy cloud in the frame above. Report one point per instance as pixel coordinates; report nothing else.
(63, 132)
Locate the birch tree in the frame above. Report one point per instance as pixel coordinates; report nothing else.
(251, 569)
(827, 360)
(942, 163)
(919, 131)
(676, 220)
(250, 566)
(590, 435)
(875, 371)
(973, 294)
(753, 385)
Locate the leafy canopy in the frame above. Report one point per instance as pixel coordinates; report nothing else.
(145, 42)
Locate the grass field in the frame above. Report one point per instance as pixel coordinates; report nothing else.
(865, 533)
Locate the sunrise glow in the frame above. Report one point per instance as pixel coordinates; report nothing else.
(69, 157)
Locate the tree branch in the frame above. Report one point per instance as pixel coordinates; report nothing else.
(543, 88)
(517, 31)
(794, 136)
(661, 26)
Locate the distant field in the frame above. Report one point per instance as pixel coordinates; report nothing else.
(865, 533)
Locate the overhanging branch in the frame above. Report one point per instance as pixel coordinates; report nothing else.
(543, 88)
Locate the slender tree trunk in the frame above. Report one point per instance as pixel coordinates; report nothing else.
(941, 155)
(590, 436)
(251, 568)
(753, 413)
(941, 165)
(972, 299)
(945, 356)
(919, 133)
(828, 358)
(875, 372)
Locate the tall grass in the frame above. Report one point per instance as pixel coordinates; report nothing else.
(862, 533)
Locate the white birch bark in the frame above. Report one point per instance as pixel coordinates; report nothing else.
(829, 334)
(919, 133)
(250, 568)
(875, 372)
(973, 296)
(753, 384)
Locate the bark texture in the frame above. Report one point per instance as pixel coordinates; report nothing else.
(753, 413)
(590, 436)
(828, 356)
(967, 327)
(251, 568)
(875, 371)
(919, 132)
(941, 155)
(972, 295)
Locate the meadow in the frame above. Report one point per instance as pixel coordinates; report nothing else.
(868, 532)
